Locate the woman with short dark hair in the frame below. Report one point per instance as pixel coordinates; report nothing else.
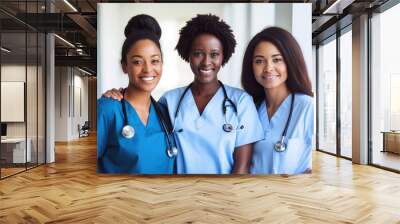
(215, 124)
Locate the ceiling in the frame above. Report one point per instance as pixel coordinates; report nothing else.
(76, 21)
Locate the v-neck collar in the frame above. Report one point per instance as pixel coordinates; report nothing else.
(208, 108)
(136, 119)
(285, 106)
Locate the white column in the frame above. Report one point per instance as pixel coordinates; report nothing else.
(360, 90)
(50, 92)
(50, 99)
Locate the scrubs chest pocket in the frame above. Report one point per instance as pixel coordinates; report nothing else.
(155, 144)
(142, 142)
(291, 159)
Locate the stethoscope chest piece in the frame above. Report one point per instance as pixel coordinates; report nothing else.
(227, 127)
(171, 152)
(128, 131)
(280, 146)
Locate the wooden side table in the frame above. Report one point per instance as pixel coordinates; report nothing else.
(391, 141)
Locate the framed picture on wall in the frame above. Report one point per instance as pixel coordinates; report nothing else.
(195, 84)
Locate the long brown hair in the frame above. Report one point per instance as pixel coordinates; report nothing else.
(297, 81)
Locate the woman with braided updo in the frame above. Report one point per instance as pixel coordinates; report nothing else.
(132, 137)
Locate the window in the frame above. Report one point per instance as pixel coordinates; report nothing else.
(22, 65)
(346, 93)
(327, 97)
(385, 89)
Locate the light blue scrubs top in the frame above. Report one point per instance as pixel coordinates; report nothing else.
(204, 147)
(297, 156)
(145, 153)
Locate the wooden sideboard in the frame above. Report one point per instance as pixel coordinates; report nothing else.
(391, 141)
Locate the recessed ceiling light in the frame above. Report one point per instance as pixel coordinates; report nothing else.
(84, 71)
(337, 7)
(5, 50)
(64, 40)
(70, 5)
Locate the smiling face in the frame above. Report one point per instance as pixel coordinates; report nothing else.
(269, 66)
(206, 58)
(143, 65)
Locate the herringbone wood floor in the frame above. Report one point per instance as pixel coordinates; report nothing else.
(70, 191)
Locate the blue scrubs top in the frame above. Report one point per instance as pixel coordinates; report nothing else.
(204, 147)
(145, 153)
(297, 156)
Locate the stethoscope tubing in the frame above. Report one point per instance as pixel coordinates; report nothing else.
(280, 146)
(226, 99)
(171, 150)
(226, 127)
(290, 116)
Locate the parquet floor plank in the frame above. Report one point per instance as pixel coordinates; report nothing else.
(70, 191)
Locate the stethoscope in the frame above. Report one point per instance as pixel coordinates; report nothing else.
(280, 146)
(128, 131)
(227, 127)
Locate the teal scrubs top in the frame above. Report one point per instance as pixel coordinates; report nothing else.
(203, 146)
(145, 153)
(297, 156)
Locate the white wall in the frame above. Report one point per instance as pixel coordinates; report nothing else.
(67, 114)
(301, 30)
(12, 101)
(245, 20)
(17, 73)
(80, 83)
(33, 126)
(14, 72)
(61, 103)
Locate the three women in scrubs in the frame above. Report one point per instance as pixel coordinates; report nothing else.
(132, 134)
(214, 124)
(275, 75)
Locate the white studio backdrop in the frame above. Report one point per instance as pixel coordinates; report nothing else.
(245, 19)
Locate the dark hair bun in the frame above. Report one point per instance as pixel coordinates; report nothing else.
(140, 27)
(143, 23)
